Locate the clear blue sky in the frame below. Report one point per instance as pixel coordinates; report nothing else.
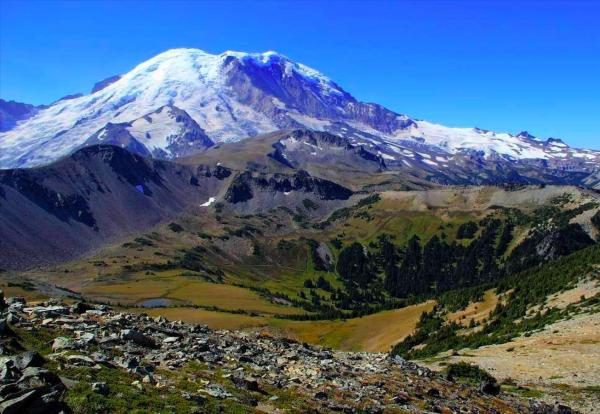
(506, 66)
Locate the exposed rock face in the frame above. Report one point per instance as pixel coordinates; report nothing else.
(168, 132)
(119, 135)
(11, 112)
(267, 83)
(303, 147)
(68, 97)
(244, 186)
(336, 156)
(154, 350)
(548, 244)
(98, 86)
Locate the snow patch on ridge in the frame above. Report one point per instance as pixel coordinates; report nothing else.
(208, 203)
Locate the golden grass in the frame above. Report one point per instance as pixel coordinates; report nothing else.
(29, 295)
(375, 333)
(228, 297)
(476, 310)
(183, 290)
(584, 289)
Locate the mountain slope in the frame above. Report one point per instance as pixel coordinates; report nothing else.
(364, 166)
(97, 195)
(12, 112)
(234, 95)
(166, 133)
(103, 193)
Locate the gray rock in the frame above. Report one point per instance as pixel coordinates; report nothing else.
(128, 363)
(138, 338)
(247, 383)
(100, 388)
(216, 391)
(50, 310)
(99, 358)
(13, 319)
(87, 337)
(8, 371)
(33, 377)
(80, 360)
(13, 300)
(28, 359)
(62, 342)
(80, 307)
(170, 340)
(18, 405)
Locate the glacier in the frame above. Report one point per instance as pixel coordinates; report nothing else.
(234, 95)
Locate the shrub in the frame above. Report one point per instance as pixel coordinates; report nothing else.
(468, 372)
(175, 227)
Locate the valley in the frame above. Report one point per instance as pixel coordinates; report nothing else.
(241, 222)
(273, 262)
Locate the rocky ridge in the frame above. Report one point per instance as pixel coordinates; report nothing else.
(252, 369)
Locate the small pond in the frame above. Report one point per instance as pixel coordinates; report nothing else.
(156, 303)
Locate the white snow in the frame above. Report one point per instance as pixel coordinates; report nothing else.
(312, 123)
(454, 140)
(385, 156)
(208, 203)
(195, 81)
(433, 163)
(155, 130)
(311, 145)
(187, 78)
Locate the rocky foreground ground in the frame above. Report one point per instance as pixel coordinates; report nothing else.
(58, 357)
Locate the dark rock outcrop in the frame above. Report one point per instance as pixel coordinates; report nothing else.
(97, 195)
(98, 86)
(11, 112)
(245, 184)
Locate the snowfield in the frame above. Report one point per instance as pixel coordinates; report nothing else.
(201, 84)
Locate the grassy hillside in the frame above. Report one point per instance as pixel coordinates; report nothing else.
(280, 268)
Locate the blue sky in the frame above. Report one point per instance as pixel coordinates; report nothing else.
(501, 65)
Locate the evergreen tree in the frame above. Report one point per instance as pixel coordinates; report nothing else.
(410, 268)
(354, 266)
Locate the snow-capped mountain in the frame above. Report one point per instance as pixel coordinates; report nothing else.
(168, 132)
(233, 95)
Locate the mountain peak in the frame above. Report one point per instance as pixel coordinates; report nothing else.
(525, 134)
(234, 95)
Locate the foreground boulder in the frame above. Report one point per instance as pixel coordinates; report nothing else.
(28, 388)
